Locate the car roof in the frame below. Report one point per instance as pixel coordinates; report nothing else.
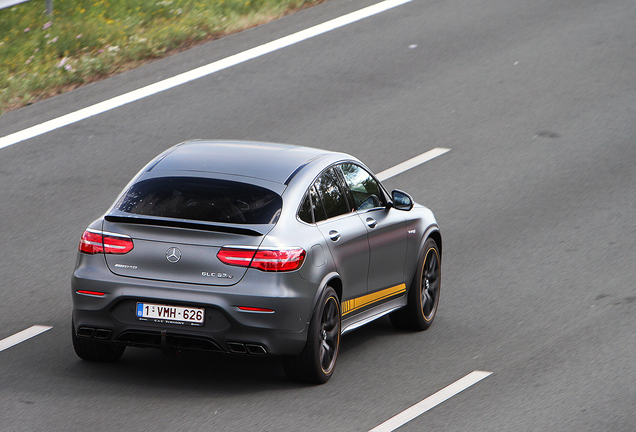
(267, 161)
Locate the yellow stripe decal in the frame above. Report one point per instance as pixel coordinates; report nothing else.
(366, 300)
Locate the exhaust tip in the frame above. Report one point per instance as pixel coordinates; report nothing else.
(237, 348)
(102, 333)
(255, 349)
(85, 332)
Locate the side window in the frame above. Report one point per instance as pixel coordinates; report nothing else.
(333, 200)
(311, 210)
(366, 191)
(305, 213)
(318, 208)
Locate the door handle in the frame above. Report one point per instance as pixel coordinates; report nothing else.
(371, 222)
(334, 235)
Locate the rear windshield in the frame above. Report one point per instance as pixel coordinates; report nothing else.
(202, 199)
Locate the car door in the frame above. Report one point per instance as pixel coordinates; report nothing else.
(344, 232)
(386, 228)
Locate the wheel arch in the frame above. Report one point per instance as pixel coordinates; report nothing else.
(336, 284)
(333, 280)
(434, 234)
(437, 237)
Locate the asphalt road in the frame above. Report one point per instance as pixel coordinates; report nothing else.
(537, 102)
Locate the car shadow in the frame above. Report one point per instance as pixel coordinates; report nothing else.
(152, 371)
(369, 334)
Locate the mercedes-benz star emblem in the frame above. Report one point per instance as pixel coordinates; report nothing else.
(173, 255)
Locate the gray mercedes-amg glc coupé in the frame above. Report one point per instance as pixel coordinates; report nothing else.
(253, 248)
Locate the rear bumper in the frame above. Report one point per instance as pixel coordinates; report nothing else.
(226, 328)
(236, 340)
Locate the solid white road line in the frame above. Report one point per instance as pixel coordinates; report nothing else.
(22, 336)
(412, 163)
(198, 72)
(431, 401)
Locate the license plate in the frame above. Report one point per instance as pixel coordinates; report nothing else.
(170, 314)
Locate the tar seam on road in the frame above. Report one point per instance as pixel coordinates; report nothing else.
(431, 401)
(197, 73)
(411, 163)
(22, 336)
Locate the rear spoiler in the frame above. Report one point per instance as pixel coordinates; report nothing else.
(181, 223)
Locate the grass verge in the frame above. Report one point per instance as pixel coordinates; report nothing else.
(86, 40)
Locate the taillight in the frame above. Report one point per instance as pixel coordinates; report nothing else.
(91, 242)
(268, 260)
(95, 241)
(233, 256)
(278, 260)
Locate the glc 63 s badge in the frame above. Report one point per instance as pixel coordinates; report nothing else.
(217, 275)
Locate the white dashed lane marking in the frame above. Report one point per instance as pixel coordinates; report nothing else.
(412, 163)
(431, 401)
(22, 336)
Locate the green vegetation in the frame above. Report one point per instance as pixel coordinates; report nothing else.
(85, 40)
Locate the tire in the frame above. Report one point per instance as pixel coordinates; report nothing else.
(316, 362)
(97, 351)
(423, 296)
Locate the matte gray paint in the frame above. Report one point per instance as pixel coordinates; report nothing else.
(292, 295)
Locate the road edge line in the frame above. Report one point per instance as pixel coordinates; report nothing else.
(197, 73)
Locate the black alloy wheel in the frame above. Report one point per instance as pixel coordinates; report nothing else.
(430, 284)
(317, 361)
(329, 334)
(423, 296)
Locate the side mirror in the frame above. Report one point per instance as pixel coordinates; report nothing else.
(402, 200)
